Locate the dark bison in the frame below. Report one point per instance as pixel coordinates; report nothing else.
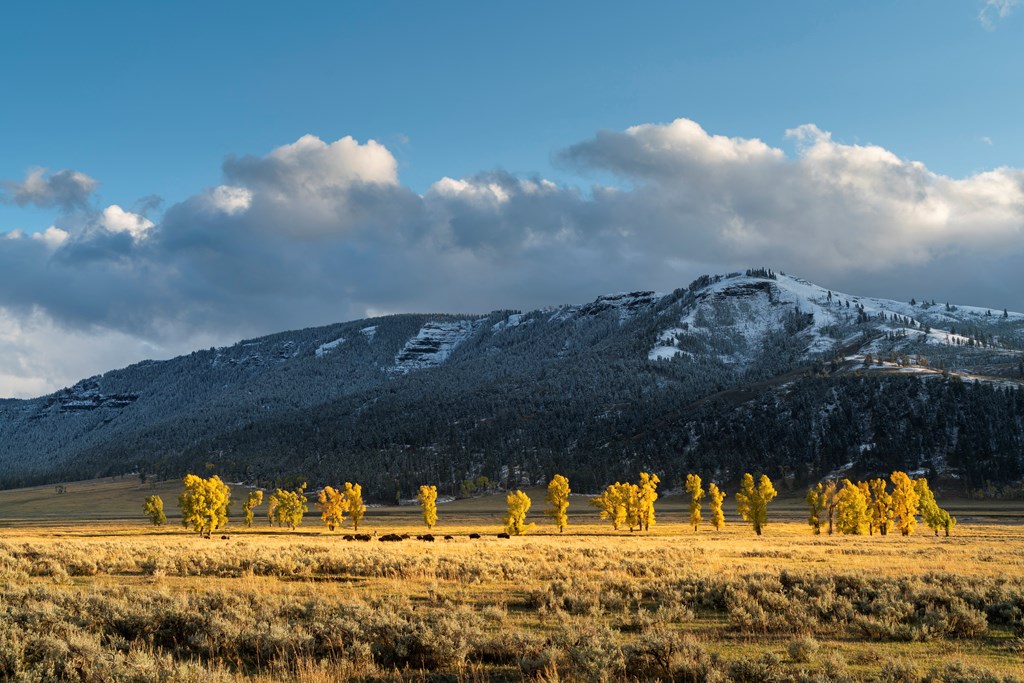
(449, 538)
(363, 537)
(503, 535)
(474, 536)
(390, 537)
(426, 537)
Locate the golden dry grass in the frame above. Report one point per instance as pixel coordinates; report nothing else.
(520, 597)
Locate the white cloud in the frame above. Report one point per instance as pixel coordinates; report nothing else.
(316, 232)
(53, 236)
(117, 220)
(230, 200)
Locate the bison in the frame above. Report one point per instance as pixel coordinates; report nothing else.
(503, 535)
(474, 536)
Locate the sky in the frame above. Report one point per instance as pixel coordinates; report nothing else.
(176, 176)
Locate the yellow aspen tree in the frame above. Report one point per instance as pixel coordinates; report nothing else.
(646, 495)
(816, 503)
(558, 499)
(154, 509)
(715, 499)
(272, 504)
(252, 501)
(515, 518)
(935, 517)
(291, 507)
(904, 503)
(696, 491)
(353, 494)
(204, 503)
(428, 504)
(831, 501)
(881, 506)
(948, 522)
(332, 506)
(851, 509)
(629, 494)
(609, 505)
(752, 501)
(865, 490)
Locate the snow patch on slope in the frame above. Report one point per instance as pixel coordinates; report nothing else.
(434, 343)
(324, 349)
(369, 332)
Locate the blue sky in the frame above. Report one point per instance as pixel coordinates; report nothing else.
(149, 100)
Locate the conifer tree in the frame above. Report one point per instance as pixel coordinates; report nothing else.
(696, 491)
(204, 504)
(715, 499)
(881, 507)
(515, 518)
(252, 501)
(428, 505)
(904, 503)
(353, 495)
(154, 509)
(752, 501)
(851, 509)
(333, 506)
(558, 498)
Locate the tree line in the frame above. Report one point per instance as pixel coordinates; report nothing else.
(864, 507)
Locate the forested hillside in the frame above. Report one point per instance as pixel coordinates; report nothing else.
(755, 371)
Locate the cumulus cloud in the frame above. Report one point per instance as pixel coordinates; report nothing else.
(316, 232)
(65, 189)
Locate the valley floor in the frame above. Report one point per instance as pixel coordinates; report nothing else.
(113, 600)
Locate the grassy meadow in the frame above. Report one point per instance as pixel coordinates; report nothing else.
(89, 591)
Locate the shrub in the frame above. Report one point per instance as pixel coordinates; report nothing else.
(803, 649)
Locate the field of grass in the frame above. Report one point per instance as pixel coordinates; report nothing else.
(90, 592)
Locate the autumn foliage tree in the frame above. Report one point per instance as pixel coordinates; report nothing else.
(353, 495)
(611, 505)
(154, 509)
(752, 501)
(905, 502)
(715, 499)
(629, 505)
(428, 504)
(291, 506)
(515, 518)
(880, 511)
(204, 504)
(252, 501)
(935, 517)
(558, 499)
(646, 495)
(851, 509)
(696, 491)
(816, 504)
(332, 506)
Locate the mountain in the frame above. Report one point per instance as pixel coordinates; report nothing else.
(757, 371)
